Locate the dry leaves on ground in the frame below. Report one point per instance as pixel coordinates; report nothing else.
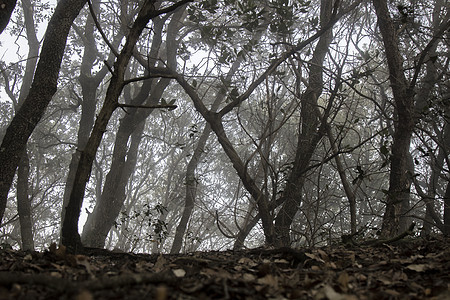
(414, 269)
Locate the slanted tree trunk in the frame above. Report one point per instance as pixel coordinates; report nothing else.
(191, 181)
(244, 230)
(70, 235)
(6, 9)
(446, 150)
(309, 132)
(41, 92)
(349, 192)
(191, 190)
(422, 101)
(89, 84)
(215, 120)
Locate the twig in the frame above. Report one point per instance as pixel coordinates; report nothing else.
(99, 28)
(169, 106)
(379, 242)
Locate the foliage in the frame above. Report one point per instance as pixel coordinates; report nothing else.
(263, 129)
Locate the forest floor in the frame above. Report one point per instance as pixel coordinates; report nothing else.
(413, 269)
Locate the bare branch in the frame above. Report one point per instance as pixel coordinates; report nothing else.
(97, 24)
(169, 106)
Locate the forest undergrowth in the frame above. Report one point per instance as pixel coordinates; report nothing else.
(416, 268)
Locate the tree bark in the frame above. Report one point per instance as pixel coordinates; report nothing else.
(42, 90)
(23, 199)
(310, 132)
(24, 204)
(399, 177)
(6, 9)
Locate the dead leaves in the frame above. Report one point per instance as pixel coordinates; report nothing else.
(416, 270)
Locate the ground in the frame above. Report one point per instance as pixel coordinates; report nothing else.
(408, 269)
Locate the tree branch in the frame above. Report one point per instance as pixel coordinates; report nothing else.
(99, 28)
(169, 106)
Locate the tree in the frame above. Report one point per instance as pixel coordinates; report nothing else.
(89, 84)
(310, 130)
(70, 236)
(403, 92)
(132, 125)
(269, 79)
(42, 89)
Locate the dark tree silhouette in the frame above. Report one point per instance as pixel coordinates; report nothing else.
(6, 9)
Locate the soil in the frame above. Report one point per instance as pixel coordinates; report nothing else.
(408, 269)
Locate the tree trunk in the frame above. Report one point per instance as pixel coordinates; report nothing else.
(447, 210)
(191, 191)
(400, 177)
(245, 230)
(445, 148)
(89, 85)
(109, 205)
(6, 10)
(349, 192)
(24, 204)
(42, 90)
(214, 119)
(23, 199)
(70, 235)
(191, 181)
(309, 132)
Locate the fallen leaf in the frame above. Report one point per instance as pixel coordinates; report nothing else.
(84, 295)
(247, 261)
(160, 264)
(343, 281)
(315, 257)
(269, 280)
(248, 277)
(327, 292)
(179, 272)
(418, 267)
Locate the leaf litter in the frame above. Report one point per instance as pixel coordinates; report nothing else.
(408, 269)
